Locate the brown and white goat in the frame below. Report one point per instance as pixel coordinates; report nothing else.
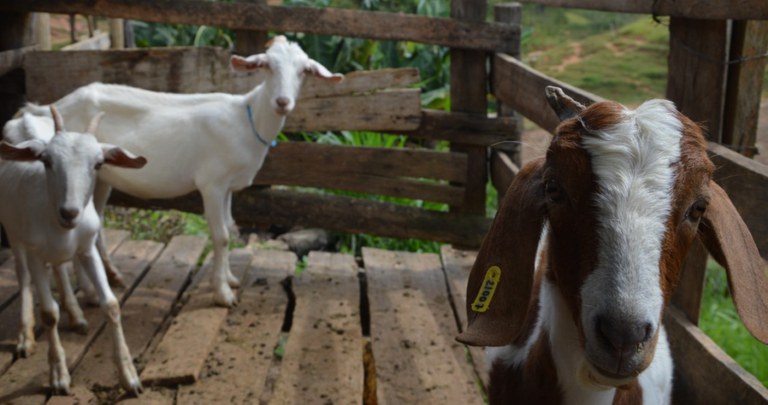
(584, 253)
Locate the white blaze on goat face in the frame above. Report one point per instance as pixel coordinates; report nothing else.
(634, 167)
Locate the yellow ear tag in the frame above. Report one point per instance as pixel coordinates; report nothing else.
(484, 296)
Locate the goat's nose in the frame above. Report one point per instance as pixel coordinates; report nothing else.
(69, 213)
(623, 336)
(282, 102)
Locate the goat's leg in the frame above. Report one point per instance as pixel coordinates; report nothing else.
(26, 343)
(234, 232)
(49, 314)
(214, 205)
(100, 196)
(89, 292)
(77, 320)
(126, 371)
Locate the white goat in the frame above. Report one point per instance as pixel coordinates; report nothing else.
(214, 143)
(586, 249)
(49, 217)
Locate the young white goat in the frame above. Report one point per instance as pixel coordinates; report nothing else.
(585, 251)
(49, 217)
(214, 143)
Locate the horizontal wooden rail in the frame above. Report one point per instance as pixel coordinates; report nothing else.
(698, 9)
(258, 207)
(383, 171)
(464, 128)
(326, 21)
(745, 181)
(703, 370)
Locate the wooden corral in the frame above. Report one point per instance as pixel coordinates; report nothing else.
(379, 327)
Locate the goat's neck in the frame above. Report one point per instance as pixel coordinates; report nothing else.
(567, 353)
(267, 123)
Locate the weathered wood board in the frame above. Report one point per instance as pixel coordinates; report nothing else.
(366, 104)
(329, 21)
(323, 355)
(237, 367)
(412, 332)
(700, 9)
(703, 372)
(457, 265)
(405, 173)
(255, 206)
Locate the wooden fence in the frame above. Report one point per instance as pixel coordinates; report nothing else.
(715, 74)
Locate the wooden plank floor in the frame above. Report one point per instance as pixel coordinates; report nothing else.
(343, 330)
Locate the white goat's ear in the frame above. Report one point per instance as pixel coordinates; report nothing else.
(564, 106)
(249, 64)
(501, 281)
(23, 152)
(117, 156)
(316, 69)
(728, 240)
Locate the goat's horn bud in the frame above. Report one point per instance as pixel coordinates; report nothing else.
(564, 106)
(57, 125)
(94, 123)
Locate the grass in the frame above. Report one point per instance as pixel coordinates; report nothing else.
(720, 322)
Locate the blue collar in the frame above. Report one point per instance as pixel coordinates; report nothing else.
(253, 127)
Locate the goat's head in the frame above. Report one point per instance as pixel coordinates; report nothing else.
(623, 194)
(286, 64)
(71, 160)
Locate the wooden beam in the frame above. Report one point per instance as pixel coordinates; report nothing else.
(703, 370)
(703, 9)
(396, 163)
(260, 207)
(698, 50)
(464, 128)
(13, 58)
(522, 88)
(469, 96)
(324, 21)
(745, 85)
(386, 111)
(746, 182)
(382, 171)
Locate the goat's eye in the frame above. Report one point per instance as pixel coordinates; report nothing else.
(552, 191)
(98, 165)
(697, 210)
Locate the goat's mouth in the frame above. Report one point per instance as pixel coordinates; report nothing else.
(68, 223)
(282, 111)
(600, 379)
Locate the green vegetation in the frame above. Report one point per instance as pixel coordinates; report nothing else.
(720, 321)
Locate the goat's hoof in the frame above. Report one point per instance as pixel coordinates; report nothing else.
(233, 281)
(80, 327)
(225, 298)
(130, 381)
(115, 278)
(25, 348)
(60, 380)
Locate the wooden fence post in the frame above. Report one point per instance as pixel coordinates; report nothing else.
(249, 42)
(43, 31)
(505, 158)
(698, 54)
(469, 87)
(117, 33)
(745, 84)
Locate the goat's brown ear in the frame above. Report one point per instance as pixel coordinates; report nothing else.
(499, 287)
(564, 106)
(728, 240)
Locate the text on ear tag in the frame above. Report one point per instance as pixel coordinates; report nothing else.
(484, 296)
